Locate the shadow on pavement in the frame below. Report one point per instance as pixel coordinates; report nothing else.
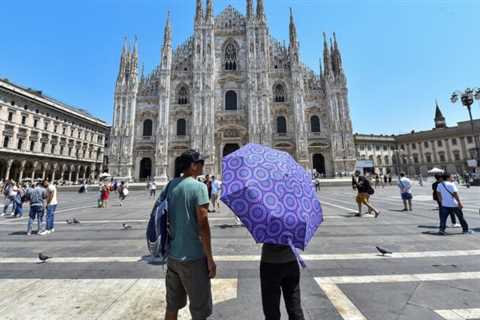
(427, 227)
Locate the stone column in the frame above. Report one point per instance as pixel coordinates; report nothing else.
(78, 173)
(9, 166)
(84, 173)
(22, 168)
(64, 167)
(72, 167)
(54, 169)
(44, 172)
(35, 164)
(92, 172)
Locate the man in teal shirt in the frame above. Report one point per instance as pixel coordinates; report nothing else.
(190, 264)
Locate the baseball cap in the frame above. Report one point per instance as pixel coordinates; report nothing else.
(192, 156)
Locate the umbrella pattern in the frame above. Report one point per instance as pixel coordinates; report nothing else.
(272, 195)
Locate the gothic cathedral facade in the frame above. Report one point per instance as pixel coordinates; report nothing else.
(230, 84)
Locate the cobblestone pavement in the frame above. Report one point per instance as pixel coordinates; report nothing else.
(99, 271)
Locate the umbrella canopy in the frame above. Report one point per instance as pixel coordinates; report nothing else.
(436, 170)
(272, 195)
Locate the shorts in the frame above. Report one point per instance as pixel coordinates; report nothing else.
(189, 278)
(362, 198)
(406, 196)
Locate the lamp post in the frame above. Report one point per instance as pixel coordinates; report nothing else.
(467, 98)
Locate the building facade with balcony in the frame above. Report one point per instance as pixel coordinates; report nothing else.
(229, 84)
(45, 138)
(415, 153)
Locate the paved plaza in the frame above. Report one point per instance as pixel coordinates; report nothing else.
(100, 271)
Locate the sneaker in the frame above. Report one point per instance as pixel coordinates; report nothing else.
(29, 233)
(2, 214)
(456, 225)
(442, 233)
(52, 230)
(468, 232)
(377, 213)
(43, 233)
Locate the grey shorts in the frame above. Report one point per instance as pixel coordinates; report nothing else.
(189, 278)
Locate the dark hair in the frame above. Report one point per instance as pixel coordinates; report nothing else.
(402, 174)
(446, 176)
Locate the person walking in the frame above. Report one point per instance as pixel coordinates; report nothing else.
(190, 265)
(52, 203)
(105, 195)
(453, 219)
(279, 272)
(447, 193)
(19, 198)
(216, 188)
(208, 183)
(405, 186)
(122, 192)
(390, 179)
(36, 197)
(152, 187)
(364, 189)
(385, 179)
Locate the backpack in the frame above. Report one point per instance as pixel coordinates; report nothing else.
(158, 240)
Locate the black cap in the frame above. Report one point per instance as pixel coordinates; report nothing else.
(192, 156)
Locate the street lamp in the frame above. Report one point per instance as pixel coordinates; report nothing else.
(467, 98)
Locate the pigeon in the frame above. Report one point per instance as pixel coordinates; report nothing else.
(126, 226)
(69, 221)
(75, 221)
(383, 251)
(43, 257)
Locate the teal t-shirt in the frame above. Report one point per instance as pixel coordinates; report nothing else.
(185, 195)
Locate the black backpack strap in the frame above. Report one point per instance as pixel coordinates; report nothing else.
(453, 196)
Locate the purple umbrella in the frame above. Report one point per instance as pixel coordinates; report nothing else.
(272, 195)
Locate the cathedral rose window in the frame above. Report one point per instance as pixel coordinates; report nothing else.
(230, 57)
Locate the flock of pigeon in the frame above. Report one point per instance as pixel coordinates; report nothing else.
(43, 258)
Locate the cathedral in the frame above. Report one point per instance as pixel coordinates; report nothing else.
(229, 84)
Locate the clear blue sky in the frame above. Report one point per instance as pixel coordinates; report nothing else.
(399, 55)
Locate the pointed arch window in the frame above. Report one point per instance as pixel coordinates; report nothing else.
(230, 57)
(183, 95)
(315, 124)
(231, 100)
(147, 128)
(279, 93)
(281, 125)
(181, 127)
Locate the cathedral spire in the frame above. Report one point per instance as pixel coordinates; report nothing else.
(198, 12)
(293, 30)
(123, 61)
(134, 59)
(167, 35)
(209, 14)
(250, 9)
(336, 57)
(260, 11)
(327, 65)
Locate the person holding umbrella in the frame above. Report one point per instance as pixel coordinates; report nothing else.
(275, 199)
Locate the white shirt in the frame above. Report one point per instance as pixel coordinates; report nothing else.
(447, 199)
(53, 191)
(405, 185)
(153, 186)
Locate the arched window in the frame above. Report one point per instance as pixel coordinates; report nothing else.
(281, 125)
(279, 93)
(147, 128)
(181, 127)
(315, 124)
(231, 100)
(230, 57)
(182, 95)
